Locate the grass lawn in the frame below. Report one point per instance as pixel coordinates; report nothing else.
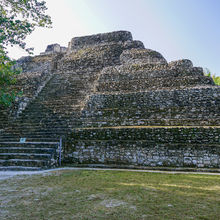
(81, 194)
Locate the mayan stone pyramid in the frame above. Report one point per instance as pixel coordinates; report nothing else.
(114, 103)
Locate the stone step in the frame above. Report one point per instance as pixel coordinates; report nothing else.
(37, 129)
(14, 141)
(25, 162)
(44, 123)
(49, 117)
(36, 125)
(30, 138)
(41, 144)
(30, 122)
(150, 122)
(61, 93)
(36, 139)
(41, 119)
(28, 133)
(52, 91)
(126, 72)
(31, 156)
(44, 104)
(30, 150)
(74, 87)
(56, 100)
(210, 111)
(56, 116)
(33, 127)
(38, 118)
(71, 81)
(73, 77)
(121, 119)
(152, 83)
(42, 135)
(19, 168)
(60, 96)
(49, 108)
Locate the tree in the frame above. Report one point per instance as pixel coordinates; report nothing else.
(18, 18)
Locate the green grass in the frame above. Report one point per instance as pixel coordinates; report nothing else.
(110, 195)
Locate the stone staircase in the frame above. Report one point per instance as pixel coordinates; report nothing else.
(43, 122)
(29, 155)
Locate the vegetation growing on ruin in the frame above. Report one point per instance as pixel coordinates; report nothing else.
(216, 79)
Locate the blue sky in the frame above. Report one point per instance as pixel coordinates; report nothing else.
(176, 28)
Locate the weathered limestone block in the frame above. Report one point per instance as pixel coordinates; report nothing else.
(41, 63)
(181, 63)
(142, 56)
(88, 41)
(54, 48)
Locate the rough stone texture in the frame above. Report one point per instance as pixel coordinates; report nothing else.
(197, 106)
(54, 48)
(181, 147)
(115, 102)
(142, 56)
(98, 39)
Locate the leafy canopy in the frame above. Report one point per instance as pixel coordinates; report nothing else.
(18, 18)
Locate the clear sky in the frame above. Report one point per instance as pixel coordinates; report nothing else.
(178, 29)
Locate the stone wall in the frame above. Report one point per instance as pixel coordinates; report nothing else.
(99, 39)
(195, 106)
(169, 147)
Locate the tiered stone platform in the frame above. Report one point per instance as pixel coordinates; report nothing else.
(114, 103)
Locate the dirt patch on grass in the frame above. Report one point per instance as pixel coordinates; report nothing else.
(111, 203)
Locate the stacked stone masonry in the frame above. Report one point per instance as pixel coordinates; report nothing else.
(115, 102)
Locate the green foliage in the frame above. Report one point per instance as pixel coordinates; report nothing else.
(7, 78)
(216, 79)
(18, 18)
